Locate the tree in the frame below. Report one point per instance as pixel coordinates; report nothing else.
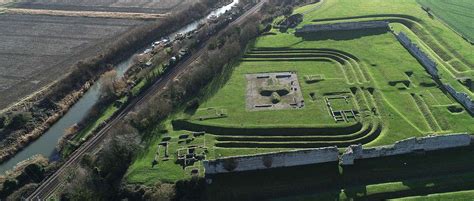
(19, 120)
(160, 192)
(32, 172)
(9, 186)
(2, 122)
(99, 178)
(107, 89)
(192, 189)
(111, 86)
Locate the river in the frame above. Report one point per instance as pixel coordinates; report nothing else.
(46, 144)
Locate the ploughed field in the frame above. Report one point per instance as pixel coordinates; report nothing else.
(357, 87)
(140, 6)
(37, 49)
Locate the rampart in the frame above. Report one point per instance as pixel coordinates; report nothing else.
(461, 97)
(344, 26)
(430, 143)
(426, 61)
(272, 160)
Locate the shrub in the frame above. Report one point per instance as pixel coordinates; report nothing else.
(193, 189)
(9, 186)
(2, 122)
(19, 120)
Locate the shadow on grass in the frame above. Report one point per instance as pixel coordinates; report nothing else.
(274, 183)
(342, 35)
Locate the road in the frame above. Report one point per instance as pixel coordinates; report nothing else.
(53, 182)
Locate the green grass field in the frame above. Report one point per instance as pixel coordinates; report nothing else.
(408, 105)
(394, 96)
(456, 13)
(458, 196)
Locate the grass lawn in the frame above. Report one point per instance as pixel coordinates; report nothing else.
(458, 196)
(457, 13)
(394, 96)
(385, 63)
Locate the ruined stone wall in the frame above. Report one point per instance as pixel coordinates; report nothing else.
(432, 69)
(410, 145)
(331, 154)
(462, 98)
(424, 59)
(272, 160)
(344, 26)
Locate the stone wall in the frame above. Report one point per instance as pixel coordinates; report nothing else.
(344, 26)
(410, 145)
(432, 69)
(462, 98)
(331, 154)
(426, 61)
(272, 160)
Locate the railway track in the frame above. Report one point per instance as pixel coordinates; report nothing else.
(54, 182)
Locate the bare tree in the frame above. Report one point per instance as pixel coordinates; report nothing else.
(107, 89)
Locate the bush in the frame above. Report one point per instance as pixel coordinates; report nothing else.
(31, 173)
(2, 122)
(193, 189)
(19, 120)
(9, 186)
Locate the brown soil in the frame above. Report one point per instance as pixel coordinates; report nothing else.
(99, 14)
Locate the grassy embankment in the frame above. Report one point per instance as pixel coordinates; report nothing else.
(460, 196)
(406, 100)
